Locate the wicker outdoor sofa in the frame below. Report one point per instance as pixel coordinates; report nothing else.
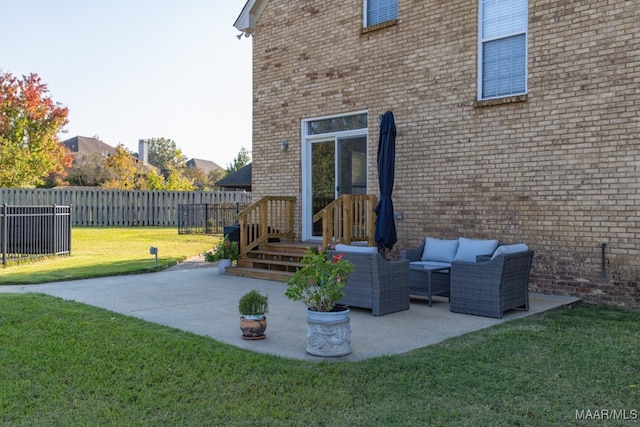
(378, 284)
(479, 276)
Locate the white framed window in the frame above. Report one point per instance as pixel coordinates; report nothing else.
(502, 48)
(377, 11)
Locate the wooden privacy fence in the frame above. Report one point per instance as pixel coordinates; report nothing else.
(97, 207)
(33, 231)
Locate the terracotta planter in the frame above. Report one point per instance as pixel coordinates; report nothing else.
(253, 329)
(329, 333)
(223, 264)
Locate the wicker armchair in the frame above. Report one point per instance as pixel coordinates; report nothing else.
(378, 284)
(492, 287)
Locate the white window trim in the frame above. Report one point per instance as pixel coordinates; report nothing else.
(365, 8)
(481, 43)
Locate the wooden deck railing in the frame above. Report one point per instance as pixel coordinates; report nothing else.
(269, 218)
(349, 218)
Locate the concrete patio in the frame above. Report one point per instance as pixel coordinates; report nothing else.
(195, 297)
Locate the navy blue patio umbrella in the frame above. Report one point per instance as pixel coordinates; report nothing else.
(385, 235)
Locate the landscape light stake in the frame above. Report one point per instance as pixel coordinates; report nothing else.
(154, 251)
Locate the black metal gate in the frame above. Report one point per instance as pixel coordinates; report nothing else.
(33, 231)
(207, 218)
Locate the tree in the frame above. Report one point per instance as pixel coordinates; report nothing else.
(129, 174)
(89, 170)
(176, 181)
(215, 176)
(197, 176)
(241, 160)
(153, 180)
(164, 154)
(30, 120)
(123, 170)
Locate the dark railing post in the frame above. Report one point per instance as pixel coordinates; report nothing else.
(5, 229)
(69, 225)
(206, 218)
(55, 230)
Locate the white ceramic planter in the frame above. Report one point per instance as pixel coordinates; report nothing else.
(223, 264)
(328, 333)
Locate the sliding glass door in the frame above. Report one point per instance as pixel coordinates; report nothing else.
(336, 164)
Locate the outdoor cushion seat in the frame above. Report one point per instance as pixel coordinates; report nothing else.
(442, 252)
(470, 249)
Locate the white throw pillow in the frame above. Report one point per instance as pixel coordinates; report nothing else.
(439, 249)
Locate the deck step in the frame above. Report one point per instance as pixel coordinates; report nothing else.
(276, 261)
(275, 254)
(271, 264)
(260, 273)
(288, 247)
(276, 257)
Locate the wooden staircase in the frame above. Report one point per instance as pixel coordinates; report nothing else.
(267, 247)
(275, 261)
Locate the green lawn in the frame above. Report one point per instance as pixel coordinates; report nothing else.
(97, 252)
(64, 363)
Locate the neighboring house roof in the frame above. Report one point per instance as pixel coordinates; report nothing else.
(248, 18)
(205, 166)
(240, 179)
(85, 145)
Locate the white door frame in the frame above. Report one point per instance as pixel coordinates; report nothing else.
(307, 190)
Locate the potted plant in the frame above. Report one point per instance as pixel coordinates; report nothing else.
(224, 253)
(320, 284)
(253, 322)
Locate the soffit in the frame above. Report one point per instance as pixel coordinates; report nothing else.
(248, 18)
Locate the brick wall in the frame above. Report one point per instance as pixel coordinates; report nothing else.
(558, 169)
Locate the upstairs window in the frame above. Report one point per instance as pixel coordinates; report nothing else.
(502, 48)
(377, 11)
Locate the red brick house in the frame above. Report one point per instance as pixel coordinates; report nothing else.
(515, 120)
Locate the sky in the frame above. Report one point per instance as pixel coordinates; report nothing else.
(136, 69)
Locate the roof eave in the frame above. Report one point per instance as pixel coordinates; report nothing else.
(248, 18)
